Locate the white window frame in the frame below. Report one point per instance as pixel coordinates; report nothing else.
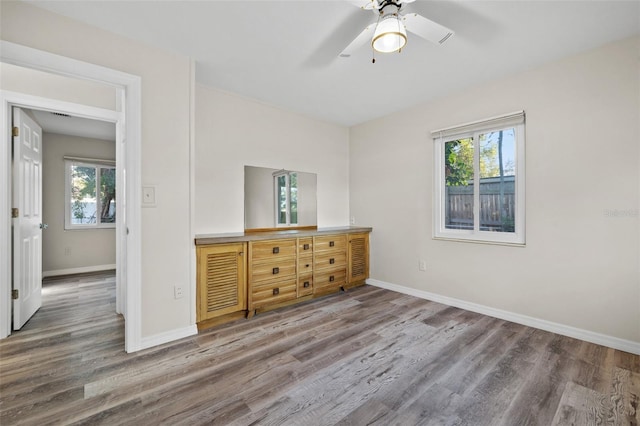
(514, 120)
(276, 191)
(69, 162)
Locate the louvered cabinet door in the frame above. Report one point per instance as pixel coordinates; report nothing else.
(358, 258)
(221, 280)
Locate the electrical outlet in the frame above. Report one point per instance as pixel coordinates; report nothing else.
(177, 291)
(422, 265)
(67, 251)
(353, 220)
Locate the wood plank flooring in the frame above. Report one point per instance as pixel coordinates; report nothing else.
(368, 356)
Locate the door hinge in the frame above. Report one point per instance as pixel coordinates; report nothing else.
(14, 294)
(16, 131)
(15, 212)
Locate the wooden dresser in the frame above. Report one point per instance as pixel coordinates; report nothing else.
(241, 274)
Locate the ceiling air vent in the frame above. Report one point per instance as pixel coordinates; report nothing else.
(59, 114)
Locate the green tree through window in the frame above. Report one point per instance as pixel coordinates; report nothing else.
(92, 195)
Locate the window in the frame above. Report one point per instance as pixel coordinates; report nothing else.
(286, 193)
(479, 181)
(90, 194)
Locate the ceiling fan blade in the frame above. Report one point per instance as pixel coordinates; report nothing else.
(362, 38)
(366, 4)
(426, 28)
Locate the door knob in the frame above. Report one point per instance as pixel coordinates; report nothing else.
(43, 226)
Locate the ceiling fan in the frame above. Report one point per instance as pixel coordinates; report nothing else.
(389, 32)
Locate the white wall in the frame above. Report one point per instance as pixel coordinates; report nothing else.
(580, 264)
(167, 245)
(72, 249)
(46, 85)
(232, 131)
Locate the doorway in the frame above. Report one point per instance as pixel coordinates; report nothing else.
(128, 240)
(39, 193)
(79, 194)
(73, 199)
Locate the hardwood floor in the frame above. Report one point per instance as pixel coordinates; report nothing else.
(368, 356)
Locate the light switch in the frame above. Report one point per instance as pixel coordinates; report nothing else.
(148, 196)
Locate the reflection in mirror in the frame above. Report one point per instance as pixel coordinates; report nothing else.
(286, 201)
(279, 198)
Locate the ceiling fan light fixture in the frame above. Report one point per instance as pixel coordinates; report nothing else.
(390, 35)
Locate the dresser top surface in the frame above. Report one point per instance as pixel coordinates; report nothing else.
(239, 237)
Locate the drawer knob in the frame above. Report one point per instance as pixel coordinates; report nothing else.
(276, 271)
(332, 261)
(331, 244)
(305, 247)
(276, 250)
(306, 284)
(332, 279)
(306, 266)
(276, 291)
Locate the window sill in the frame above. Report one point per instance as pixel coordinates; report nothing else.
(88, 228)
(477, 241)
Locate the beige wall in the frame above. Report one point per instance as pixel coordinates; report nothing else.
(166, 86)
(46, 85)
(74, 248)
(580, 264)
(232, 131)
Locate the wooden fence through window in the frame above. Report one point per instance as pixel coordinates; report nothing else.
(459, 205)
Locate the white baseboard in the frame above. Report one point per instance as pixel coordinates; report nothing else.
(565, 330)
(82, 270)
(167, 336)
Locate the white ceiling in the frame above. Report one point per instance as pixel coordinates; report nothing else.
(74, 126)
(285, 53)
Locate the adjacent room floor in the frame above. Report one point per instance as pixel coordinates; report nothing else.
(368, 356)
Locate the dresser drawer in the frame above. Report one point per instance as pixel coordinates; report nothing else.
(329, 280)
(305, 245)
(272, 249)
(329, 259)
(305, 265)
(278, 268)
(330, 242)
(273, 293)
(305, 285)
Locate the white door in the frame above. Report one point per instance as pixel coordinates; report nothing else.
(27, 223)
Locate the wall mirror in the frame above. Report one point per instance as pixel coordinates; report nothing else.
(277, 198)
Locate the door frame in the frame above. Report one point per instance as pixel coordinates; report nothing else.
(128, 156)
